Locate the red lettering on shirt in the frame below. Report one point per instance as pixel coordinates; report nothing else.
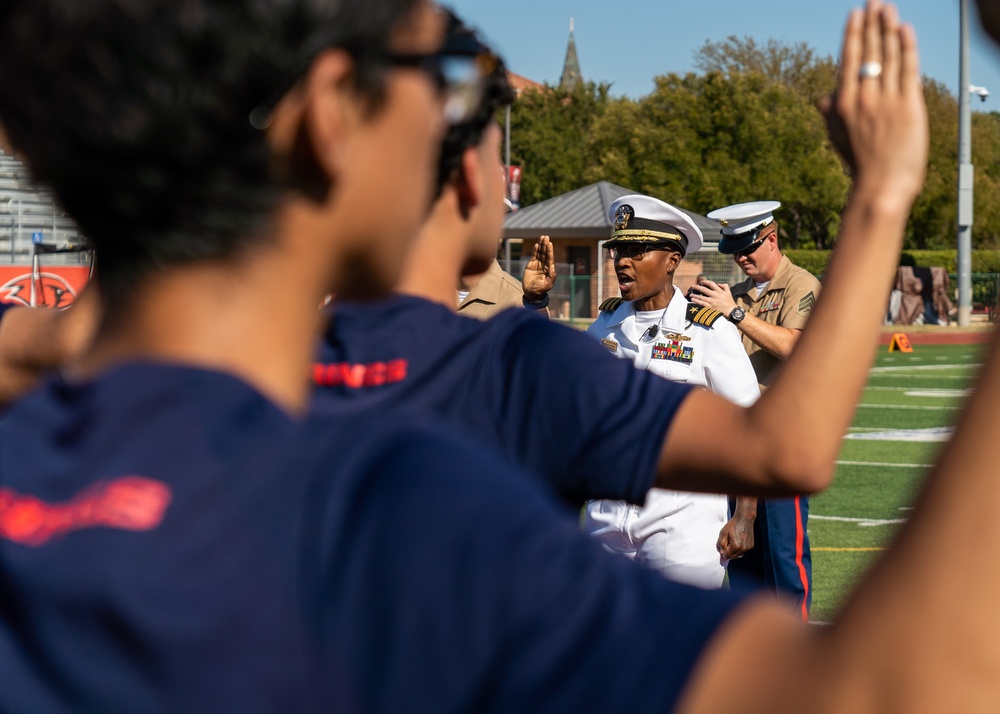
(353, 374)
(396, 370)
(130, 503)
(356, 376)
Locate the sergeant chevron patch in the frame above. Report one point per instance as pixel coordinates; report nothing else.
(807, 303)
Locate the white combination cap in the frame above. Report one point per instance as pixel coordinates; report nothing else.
(742, 223)
(638, 218)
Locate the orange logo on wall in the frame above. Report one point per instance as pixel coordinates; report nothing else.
(54, 287)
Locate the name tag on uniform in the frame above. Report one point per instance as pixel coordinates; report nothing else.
(610, 344)
(674, 351)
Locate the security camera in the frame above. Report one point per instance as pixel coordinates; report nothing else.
(981, 92)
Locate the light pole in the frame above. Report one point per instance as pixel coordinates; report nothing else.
(965, 175)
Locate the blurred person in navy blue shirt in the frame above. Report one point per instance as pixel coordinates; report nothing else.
(175, 536)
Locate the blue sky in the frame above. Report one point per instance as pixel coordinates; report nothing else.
(628, 42)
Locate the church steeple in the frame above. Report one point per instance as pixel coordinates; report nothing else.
(571, 67)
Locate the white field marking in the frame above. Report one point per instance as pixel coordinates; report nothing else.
(913, 367)
(929, 392)
(863, 522)
(937, 377)
(910, 407)
(939, 393)
(883, 463)
(934, 434)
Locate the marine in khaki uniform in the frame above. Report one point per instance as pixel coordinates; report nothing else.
(491, 292)
(686, 536)
(770, 308)
(483, 295)
(785, 302)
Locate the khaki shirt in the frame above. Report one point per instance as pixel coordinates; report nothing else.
(496, 291)
(787, 301)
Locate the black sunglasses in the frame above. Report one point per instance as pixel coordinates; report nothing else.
(752, 248)
(458, 76)
(635, 251)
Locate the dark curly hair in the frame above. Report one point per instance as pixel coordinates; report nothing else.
(497, 93)
(135, 113)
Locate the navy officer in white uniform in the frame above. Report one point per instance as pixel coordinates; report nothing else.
(688, 537)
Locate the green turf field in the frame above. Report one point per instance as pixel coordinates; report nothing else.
(880, 465)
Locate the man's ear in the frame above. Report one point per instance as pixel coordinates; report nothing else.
(332, 108)
(469, 180)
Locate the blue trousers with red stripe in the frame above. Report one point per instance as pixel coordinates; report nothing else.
(780, 559)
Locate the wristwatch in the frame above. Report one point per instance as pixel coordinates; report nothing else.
(737, 315)
(537, 304)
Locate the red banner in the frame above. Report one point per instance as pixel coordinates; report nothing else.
(51, 287)
(514, 187)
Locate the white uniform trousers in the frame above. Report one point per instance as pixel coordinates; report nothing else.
(675, 533)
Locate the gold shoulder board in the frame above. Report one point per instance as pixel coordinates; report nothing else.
(611, 304)
(702, 315)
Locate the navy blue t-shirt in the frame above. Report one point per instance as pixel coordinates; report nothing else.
(172, 541)
(552, 398)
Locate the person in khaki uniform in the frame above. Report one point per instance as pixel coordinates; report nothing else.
(483, 296)
(770, 308)
(786, 303)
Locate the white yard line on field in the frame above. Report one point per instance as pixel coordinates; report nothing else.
(913, 367)
(929, 392)
(937, 377)
(883, 463)
(909, 407)
(863, 522)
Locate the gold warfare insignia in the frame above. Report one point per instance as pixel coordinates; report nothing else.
(623, 214)
(674, 351)
(610, 344)
(807, 303)
(675, 336)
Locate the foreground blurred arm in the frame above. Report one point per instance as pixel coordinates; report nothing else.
(919, 633)
(789, 439)
(34, 341)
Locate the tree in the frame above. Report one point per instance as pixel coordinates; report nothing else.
(795, 66)
(744, 128)
(933, 218)
(549, 137)
(986, 196)
(717, 139)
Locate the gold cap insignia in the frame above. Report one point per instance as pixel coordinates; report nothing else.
(623, 214)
